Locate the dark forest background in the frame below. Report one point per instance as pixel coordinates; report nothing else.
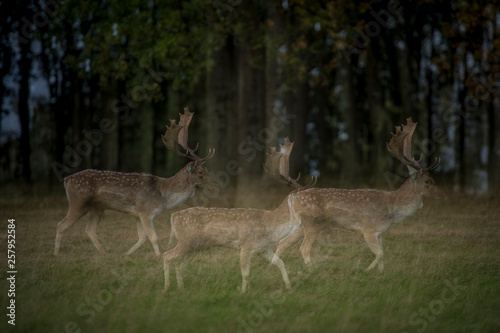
(92, 84)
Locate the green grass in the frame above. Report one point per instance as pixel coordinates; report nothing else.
(454, 241)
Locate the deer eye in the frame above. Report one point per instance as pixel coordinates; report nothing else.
(201, 173)
(427, 182)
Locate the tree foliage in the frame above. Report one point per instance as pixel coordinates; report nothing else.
(347, 72)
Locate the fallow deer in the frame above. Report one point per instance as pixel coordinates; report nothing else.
(371, 212)
(142, 195)
(245, 229)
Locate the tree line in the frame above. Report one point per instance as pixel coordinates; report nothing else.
(94, 83)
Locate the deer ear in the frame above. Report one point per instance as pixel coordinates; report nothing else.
(192, 166)
(414, 172)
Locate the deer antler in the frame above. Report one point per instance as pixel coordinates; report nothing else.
(177, 134)
(277, 166)
(400, 146)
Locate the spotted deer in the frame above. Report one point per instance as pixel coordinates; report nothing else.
(371, 212)
(142, 195)
(247, 230)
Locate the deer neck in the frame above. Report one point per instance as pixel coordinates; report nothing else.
(283, 220)
(405, 201)
(178, 188)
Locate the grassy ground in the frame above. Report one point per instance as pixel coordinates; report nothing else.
(441, 275)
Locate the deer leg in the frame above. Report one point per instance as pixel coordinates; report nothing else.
(276, 261)
(149, 228)
(245, 257)
(95, 216)
(142, 238)
(374, 241)
(178, 275)
(168, 256)
(289, 240)
(74, 214)
(311, 232)
(166, 274)
(172, 236)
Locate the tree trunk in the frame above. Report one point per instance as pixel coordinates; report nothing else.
(220, 83)
(5, 67)
(243, 127)
(429, 100)
(272, 78)
(173, 162)
(297, 107)
(144, 138)
(161, 118)
(461, 158)
(108, 128)
(23, 108)
(350, 160)
(324, 132)
(493, 155)
(375, 144)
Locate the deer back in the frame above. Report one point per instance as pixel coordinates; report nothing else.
(351, 209)
(124, 192)
(229, 227)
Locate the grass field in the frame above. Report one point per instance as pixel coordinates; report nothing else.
(442, 274)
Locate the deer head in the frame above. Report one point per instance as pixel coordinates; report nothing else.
(177, 135)
(400, 147)
(277, 166)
